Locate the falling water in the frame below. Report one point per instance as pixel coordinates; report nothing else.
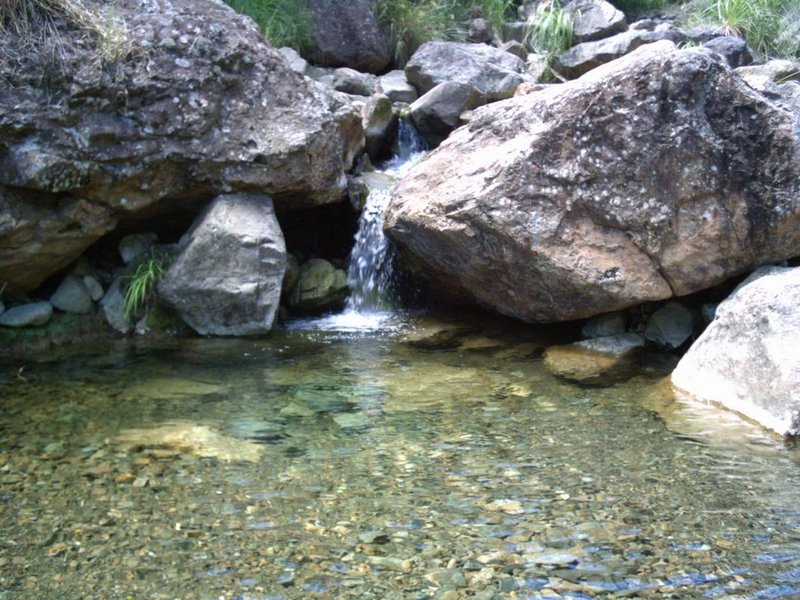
(370, 266)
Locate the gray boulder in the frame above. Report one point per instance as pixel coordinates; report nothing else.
(594, 20)
(494, 72)
(202, 106)
(437, 112)
(732, 48)
(113, 304)
(545, 209)
(582, 58)
(605, 325)
(395, 85)
(95, 289)
(380, 126)
(670, 326)
(33, 314)
(73, 296)
(598, 361)
(227, 280)
(135, 245)
(354, 82)
(344, 33)
(320, 287)
(747, 358)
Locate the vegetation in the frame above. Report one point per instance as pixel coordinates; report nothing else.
(284, 22)
(140, 285)
(549, 32)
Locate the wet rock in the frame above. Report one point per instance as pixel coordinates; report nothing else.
(599, 361)
(135, 245)
(396, 87)
(344, 33)
(72, 296)
(449, 578)
(732, 48)
(594, 20)
(34, 314)
(569, 216)
(432, 334)
(291, 275)
(582, 58)
(493, 72)
(113, 304)
(354, 82)
(227, 280)
(670, 326)
(199, 440)
(605, 325)
(746, 359)
(95, 289)
(320, 287)
(436, 113)
(380, 126)
(169, 388)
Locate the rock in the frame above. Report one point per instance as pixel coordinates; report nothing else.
(732, 48)
(135, 245)
(605, 325)
(353, 82)
(2, 307)
(775, 71)
(594, 20)
(708, 311)
(514, 30)
(95, 289)
(598, 361)
(33, 314)
(95, 144)
(113, 304)
(320, 287)
(437, 112)
(582, 58)
(544, 210)
(479, 31)
(72, 296)
(747, 359)
(537, 65)
(516, 48)
(495, 73)
(344, 33)
(227, 280)
(395, 85)
(380, 126)
(291, 275)
(447, 578)
(670, 326)
(294, 61)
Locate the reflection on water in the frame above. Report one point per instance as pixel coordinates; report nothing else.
(334, 462)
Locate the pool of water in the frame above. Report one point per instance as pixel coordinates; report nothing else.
(338, 460)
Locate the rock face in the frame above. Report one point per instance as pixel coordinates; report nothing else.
(199, 106)
(345, 34)
(227, 280)
(657, 175)
(594, 20)
(436, 113)
(747, 358)
(319, 287)
(494, 72)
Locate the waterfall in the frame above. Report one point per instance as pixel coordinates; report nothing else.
(370, 264)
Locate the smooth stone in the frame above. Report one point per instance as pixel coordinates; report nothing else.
(27, 315)
(597, 361)
(94, 287)
(72, 296)
(133, 246)
(447, 578)
(113, 304)
(352, 420)
(670, 326)
(395, 85)
(605, 325)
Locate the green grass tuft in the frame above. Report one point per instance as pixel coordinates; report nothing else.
(284, 22)
(140, 285)
(549, 32)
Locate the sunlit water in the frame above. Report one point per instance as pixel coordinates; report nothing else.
(351, 464)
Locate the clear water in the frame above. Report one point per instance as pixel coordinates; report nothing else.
(347, 464)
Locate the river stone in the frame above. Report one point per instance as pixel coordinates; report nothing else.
(545, 209)
(494, 72)
(395, 85)
(605, 325)
(227, 280)
(584, 57)
(670, 326)
(135, 245)
(202, 106)
(732, 48)
(353, 82)
(437, 112)
(33, 314)
(320, 287)
(72, 296)
(747, 359)
(380, 126)
(344, 33)
(95, 289)
(594, 20)
(113, 304)
(598, 361)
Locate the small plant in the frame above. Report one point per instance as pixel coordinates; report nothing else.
(140, 285)
(549, 32)
(284, 22)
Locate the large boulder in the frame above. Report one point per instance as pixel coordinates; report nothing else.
(194, 103)
(227, 279)
(494, 72)
(594, 20)
(747, 358)
(344, 33)
(438, 112)
(654, 176)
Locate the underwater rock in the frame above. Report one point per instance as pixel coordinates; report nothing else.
(33, 314)
(598, 361)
